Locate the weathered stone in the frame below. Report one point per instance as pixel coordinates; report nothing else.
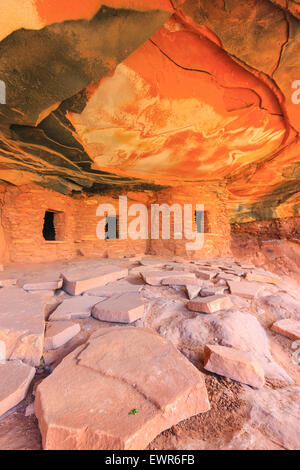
(80, 280)
(8, 282)
(22, 325)
(262, 276)
(44, 285)
(192, 290)
(123, 308)
(75, 308)
(2, 351)
(155, 278)
(121, 287)
(210, 291)
(235, 364)
(249, 290)
(287, 327)
(210, 304)
(277, 414)
(86, 402)
(152, 262)
(180, 281)
(206, 274)
(228, 277)
(15, 378)
(58, 333)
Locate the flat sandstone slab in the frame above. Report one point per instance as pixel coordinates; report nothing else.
(245, 289)
(44, 285)
(15, 378)
(58, 333)
(262, 276)
(210, 304)
(121, 287)
(155, 278)
(123, 308)
(288, 327)
(235, 364)
(79, 280)
(75, 308)
(22, 325)
(86, 402)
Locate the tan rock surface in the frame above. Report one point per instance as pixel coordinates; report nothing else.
(155, 278)
(79, 280)
(249, 290)
(235, 364)
(210, 304)
(74, 308)
(192, 290)
(43, 285)
(262, 276)
(22, 325)
(85, 403)
(120, 287)
(58, 333)
(15, 378)
(123, 308)
(287, 327)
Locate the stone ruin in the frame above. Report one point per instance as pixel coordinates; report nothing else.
(128, 340)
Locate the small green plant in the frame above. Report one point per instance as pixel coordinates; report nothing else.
(42, 362)
(133, 412)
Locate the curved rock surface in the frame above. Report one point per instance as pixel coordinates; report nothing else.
(130, 98)
(86, 402)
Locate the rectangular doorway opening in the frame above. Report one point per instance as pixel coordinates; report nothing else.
(53, 227)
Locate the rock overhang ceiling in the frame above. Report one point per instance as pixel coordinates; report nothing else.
(154, 93)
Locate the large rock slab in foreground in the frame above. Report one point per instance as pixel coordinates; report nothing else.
(22, 325)
(15, 378)
(81, 279)
(124, 308)
(86, 402)
(235, 364)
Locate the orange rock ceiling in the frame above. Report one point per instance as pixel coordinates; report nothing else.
(154, 92)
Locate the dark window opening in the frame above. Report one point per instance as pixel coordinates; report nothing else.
(202, 223)
(49, 229)
(112, 228)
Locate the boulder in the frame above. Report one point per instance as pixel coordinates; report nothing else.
(235, 364)
(22, 325)
(87, 402)
(15, 378)
(123, 308)
(75, 308)
(81, 279)
(210, 304)
(58, 333)
(288, 327)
